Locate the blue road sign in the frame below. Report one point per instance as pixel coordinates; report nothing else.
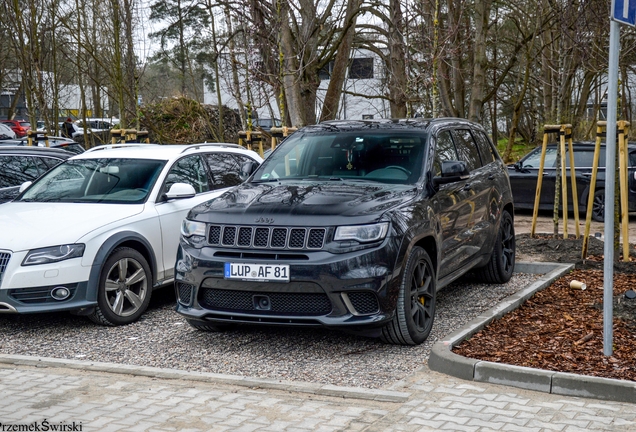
(624, 11)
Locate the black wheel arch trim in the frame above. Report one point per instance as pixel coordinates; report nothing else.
(412, 238)
(104, 252)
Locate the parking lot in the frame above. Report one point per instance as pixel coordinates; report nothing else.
(162, 338)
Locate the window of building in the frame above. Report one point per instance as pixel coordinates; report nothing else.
(325, 72)
(361, 68)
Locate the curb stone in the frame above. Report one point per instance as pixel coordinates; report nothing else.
(236, 380)
(443, 360)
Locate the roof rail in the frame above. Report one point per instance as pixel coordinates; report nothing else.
(206, 144)
(112, 146)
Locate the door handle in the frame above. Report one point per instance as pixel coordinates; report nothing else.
(586, 174)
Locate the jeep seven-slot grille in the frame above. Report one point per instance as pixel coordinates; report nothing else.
(281, 303)
(266, 237)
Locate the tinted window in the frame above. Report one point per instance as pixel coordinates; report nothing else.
(534, 158)
(387, 156)
(632, 159)
(188, 170)
(241, 159)
(17, 170)
(467, 149)
(445, 151)
(224, 169)
(49, 162)
(582, 158)
(485, 148)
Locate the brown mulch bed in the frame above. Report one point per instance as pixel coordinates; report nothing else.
(560, 328)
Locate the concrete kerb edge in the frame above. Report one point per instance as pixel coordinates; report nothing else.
(235, 380)
(443, 360)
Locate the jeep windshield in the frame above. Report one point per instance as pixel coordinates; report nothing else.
(122, 181)
(387, 157)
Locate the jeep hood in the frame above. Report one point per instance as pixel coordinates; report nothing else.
(304, 202)
(30, 225)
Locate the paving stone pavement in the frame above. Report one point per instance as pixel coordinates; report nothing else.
(98, 401)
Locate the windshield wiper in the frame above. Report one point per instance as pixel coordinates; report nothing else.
(269, 180)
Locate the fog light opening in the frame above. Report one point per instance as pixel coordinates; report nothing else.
(60, 293)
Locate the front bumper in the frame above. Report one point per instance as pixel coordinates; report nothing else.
(32, 289)
(349, 290)
(40, 299)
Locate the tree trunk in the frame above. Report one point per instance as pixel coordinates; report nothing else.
(482, 13)
(397, 63)
(334, 91)
(290, 73)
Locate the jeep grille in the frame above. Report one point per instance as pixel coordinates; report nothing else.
(266, 237)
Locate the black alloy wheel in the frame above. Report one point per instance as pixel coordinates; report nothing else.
(598, 206)
(502, 260)
(415, 310)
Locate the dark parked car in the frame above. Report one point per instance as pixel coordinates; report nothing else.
(351, 224)
(523, 178)
(266, 123)
(55, 142)
(23, 164)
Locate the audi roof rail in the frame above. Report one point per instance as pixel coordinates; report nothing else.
(207, 144)
(120, 145)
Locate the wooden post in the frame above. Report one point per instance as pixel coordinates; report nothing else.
(537, 196)
(623, 126)
(564, 181)
(115, 135)
(575, 195)
(590, 201)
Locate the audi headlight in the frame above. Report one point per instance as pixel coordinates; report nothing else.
(53, 254)
(362, 233)
(191, 228)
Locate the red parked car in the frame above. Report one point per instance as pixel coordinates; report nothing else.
(20, 127)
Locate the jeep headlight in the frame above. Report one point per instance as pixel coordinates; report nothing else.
(53, 254)
(362, 233)
(191, 228)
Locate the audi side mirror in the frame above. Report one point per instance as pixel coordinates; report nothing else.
(180, 191)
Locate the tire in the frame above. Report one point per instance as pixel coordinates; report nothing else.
(598, 206)
(502, 260)
(202, 326)
(125, 287)
(415, 309)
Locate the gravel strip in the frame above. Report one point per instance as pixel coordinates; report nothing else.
(162, 338)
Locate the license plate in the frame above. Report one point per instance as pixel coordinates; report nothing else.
(257, 272)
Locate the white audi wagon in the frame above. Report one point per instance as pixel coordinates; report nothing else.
(97, 233)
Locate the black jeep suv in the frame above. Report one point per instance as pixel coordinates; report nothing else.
(351, 224)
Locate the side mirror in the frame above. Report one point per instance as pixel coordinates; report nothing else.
(247, 169)
(25, 185)
(180, 191)
(518, 166)
(452, 171)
